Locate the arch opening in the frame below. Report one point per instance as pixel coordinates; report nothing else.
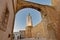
(35, 14)
(45, 2)
(21, 19)
(39, 8)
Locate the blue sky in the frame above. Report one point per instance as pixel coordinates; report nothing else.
(45, 2)
(20, 18)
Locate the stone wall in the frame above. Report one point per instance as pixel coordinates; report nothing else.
(56, 5)
(6, 7)
(38, 30)
(52, 13)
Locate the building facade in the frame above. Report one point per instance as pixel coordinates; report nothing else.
(10, 7)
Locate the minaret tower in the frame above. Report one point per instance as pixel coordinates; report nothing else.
(29, 21)
(28, 26)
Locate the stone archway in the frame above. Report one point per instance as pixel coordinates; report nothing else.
(41, 8)
(47, 11)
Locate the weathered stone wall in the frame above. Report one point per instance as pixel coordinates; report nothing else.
(44, 30)
(6, 7)
(56, 5)
(52, 14)
(28, 32)
(38, 31)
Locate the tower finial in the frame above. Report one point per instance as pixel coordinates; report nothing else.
(29, 14)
